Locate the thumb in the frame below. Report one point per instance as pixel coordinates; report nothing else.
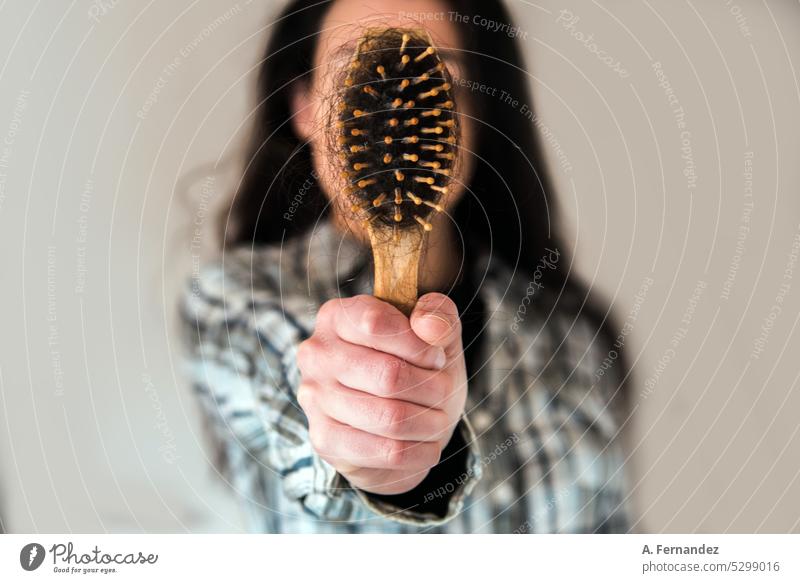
(435, 320)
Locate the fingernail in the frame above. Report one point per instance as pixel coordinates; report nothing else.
(440, 318)
(441, 359)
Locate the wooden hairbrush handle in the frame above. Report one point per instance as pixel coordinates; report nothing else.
(397, 137)
(397, 268)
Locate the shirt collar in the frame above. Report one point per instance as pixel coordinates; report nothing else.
(333, 255)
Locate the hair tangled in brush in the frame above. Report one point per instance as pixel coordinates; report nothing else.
(396, 131)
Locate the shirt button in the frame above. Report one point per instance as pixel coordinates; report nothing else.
(504, 494)
(481, 421)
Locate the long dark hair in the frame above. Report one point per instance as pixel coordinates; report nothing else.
(509, 203)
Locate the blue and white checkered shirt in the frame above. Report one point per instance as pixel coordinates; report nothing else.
(539, 450)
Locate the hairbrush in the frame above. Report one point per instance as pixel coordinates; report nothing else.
(396, 137)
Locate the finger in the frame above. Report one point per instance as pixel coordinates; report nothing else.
(390, 418)
(435, 320)
(338, 443)
(368, 321)
(385, 482)
(306, 397)
(375, 372)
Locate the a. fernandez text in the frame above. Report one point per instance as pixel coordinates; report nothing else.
(65, 554)
(666, 550)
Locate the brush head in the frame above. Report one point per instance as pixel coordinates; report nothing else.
(396, 130)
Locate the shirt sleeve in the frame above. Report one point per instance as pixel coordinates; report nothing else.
(241, 361)
(581, 440)
(440, 496)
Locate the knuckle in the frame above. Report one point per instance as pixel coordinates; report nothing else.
(328, 309)
(317, 434)
(439, 422)
(395, 453)
(389, 374)
(309, 352)
(435, 387)
(305, 396)
(443, 386)
(372, 319)
(304, 356)
(394, 417)
(429, 454)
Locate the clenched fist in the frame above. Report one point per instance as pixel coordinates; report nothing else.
(383, 393)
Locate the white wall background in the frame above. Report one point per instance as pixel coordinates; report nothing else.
(98, 431)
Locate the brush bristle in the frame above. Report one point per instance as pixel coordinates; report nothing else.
(397, 128)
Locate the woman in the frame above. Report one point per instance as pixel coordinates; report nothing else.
(490, 408)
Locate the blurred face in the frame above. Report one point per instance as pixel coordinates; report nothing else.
(341, 29)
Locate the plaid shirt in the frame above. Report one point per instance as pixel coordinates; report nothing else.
(540, 449)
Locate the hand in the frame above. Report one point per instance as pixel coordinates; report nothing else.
(383, 393)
